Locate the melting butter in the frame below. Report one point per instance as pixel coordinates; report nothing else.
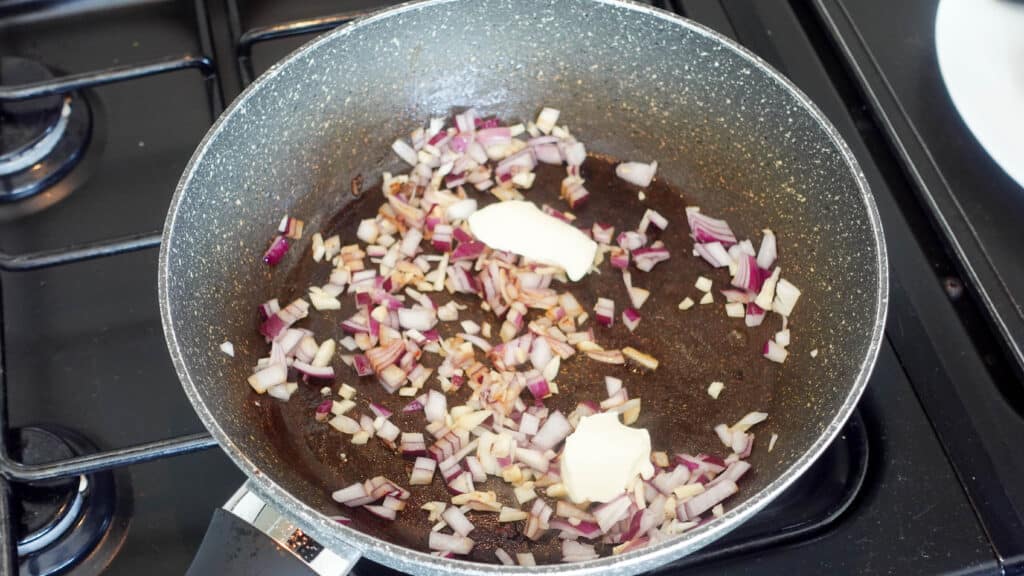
(520, 227)
(603, 456)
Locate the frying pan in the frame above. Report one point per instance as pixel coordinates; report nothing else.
(730, 134)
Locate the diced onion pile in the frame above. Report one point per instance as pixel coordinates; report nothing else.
(757, 287)
(419, 247)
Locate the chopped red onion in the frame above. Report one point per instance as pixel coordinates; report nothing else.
(413, 445)
(637, 173)
(555, 429)
(405, 152)
(457, 521)
(450, 543)
(573, 551)
(354, 495)
(276, 251)
(418, 318)
(706, 500)
(362, 365)
(631, 240)
(547, 153)
(631, 318)
(714, 253)
(706, 229)
(468, 250)
(748, 276)
(608, 514)
(436, 406)
(604, 311)
(326, 372)
(774, 352)
(754, 316)
(768, 251)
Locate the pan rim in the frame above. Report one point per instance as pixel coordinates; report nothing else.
(408, 559)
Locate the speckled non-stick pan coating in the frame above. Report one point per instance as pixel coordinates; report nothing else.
(730, 135)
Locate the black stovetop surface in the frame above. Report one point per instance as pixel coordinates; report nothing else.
(918, 483)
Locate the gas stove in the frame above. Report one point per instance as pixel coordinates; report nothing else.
(105, 467)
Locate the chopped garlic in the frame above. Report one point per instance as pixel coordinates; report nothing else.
(524, 493)
(703, 284)
(660, 459)
(318, 247)
(511, 514)
(814, 353)
(342, 407)
(767, 295)
(546, 120)
(347, 392)
(641, 196)
(361, 437)
(325, 391)
(771, 442)
(707, 298)
(715, 389)
(557, 491)
(645, 360)
(734, 309)
(228, 348)
(688, 490)
(686, 304)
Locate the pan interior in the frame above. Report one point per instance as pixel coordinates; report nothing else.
(632, 84)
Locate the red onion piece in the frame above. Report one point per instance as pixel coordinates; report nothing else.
(418, 318)
(547, 153)
(379, 410)
(706, 500)
(573, 551)
(555, 429)
(768, 251)
(450, 543)
(457, 521)
(607, 514)
(774, 352)
(405, 152)
(754, 315)
(436, 406)
(714, 253)
(326, 372)
(469, 250)
(637, 173)
(631, 240)
(276, 251)
(631, 318)
(604, 311)
(707, 229)
(362, 365)
(413, 445)
(354, 495)
(749, 276)
(602, 233)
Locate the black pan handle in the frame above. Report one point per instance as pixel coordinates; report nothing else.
(249, 537)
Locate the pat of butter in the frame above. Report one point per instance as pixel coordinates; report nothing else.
(603, 456)
(520, 227)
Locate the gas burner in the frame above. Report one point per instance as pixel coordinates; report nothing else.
(78, 521)
(41, 139)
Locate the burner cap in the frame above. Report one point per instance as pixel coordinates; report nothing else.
(76, 521)
(25, 122)
(41, 139)
(43, 506)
